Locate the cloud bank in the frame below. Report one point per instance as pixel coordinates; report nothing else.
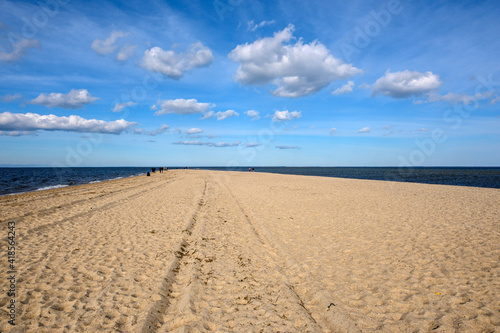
(32, 121)
(208, 144)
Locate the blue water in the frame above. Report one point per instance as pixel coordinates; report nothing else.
(459, 176)
(17, 180)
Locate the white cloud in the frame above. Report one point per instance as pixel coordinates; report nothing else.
(346, 88)
(19, 50)
(16, 133)
(365, 130)
(32, 121)
(252, 26)
(286, 115)
(456, 98)
(194, 131)
(495, 100)
(333, 130)
(181, 106)
(108, 45)
(126, 52)
(406, 84)
(221, 115)
(121, 106)
(75, 99)
(208, 115)
(174, 64)
(253, 114)
(251, 145)
(296, 69)
(287, 147)
(163, 128)
(208, 144)
(9, 98)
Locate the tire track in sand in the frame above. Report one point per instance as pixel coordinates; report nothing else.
(314, 299)
(154, 317)
(225, 279)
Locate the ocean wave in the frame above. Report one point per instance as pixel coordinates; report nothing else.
(50, 187)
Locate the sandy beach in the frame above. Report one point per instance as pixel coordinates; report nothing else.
(197, 251)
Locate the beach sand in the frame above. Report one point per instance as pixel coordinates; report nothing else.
(197, 251)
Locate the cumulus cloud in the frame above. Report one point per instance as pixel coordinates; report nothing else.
(406, 84)
(365, 130)
(221, 115)
(345, 89)
(194, 131)
(126, 52)
(252, 144)
(295, 69)
(208, 144)
(333, 130)
(121, 106)
(108, 45)
(253, 114)
(287, 147)
(9, 98)
(75, 99)
(174, 64)
(32, 121)
(252, 26)
(181, 106)
(286, 115)
(19, 50)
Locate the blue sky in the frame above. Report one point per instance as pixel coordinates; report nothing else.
(249, 83)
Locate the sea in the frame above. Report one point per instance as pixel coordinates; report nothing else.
(28, 179)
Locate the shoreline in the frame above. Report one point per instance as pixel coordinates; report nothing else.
(272, 173)
(204, 250)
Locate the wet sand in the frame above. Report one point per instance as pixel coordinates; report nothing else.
(196, 251)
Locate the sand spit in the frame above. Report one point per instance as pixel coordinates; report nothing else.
(198, 251)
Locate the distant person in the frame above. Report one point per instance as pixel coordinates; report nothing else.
(253, 169)
(148, 174)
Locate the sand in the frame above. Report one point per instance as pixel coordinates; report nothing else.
(197, 251)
